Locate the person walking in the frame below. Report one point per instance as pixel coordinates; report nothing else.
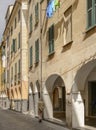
(40, 110)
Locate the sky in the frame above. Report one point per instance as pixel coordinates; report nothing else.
(3, 8)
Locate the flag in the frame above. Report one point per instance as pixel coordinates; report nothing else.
(50, 9)
(56, 3)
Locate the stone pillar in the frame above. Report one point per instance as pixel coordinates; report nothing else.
(36, 104)
(31, 105)
(77, 110)
(48, 110)
(19, 105)
(8, 103)
(24, 105)
(15, 108)
(69, 110)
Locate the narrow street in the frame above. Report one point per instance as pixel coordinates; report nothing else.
(10, 120)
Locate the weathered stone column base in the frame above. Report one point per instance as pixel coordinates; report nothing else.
(24, 106)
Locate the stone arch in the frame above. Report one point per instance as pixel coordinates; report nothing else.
(80, 93)
(55, 86)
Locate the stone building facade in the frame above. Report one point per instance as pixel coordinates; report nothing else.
(15, 36)
(4, 101)
(69, 61)
(57, 59)
(34, 56)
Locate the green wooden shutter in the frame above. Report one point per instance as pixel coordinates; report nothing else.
(31, 23)
(13, 46)
(18, 40)
(91, 13)
(95, 11)
(19, 66)
(37, 51)
(31, 56)
(51, 39)
(19, 71)
(36, 13)
(18, 15)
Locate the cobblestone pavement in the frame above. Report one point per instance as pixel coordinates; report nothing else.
(10, 120)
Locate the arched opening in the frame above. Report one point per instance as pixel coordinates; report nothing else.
(84, 95)
(56, 90)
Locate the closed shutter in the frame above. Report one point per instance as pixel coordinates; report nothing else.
(18, 40)
(37, 51)
(13, 46)
(31, 56)
(51, 39)
(31, 23)
(36, 13)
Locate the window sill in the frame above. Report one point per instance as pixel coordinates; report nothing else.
(19, 82)
(91, 28)
(30, 68)
(52, 53)
(30, 34)
(67, 44)
(51, 56)
(36, 24)
(36, 63)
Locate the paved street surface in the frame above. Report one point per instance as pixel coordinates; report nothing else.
(10, 120)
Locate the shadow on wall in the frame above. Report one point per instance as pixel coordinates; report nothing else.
(75, 4)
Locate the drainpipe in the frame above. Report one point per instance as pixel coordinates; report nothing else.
(41, 91)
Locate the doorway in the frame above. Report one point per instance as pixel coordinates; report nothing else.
(92, 98)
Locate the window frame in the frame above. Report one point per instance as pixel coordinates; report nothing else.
(30, 25)
(51, 39)
(31, 57)
(93, 15)
(37, 51)
(36, 14)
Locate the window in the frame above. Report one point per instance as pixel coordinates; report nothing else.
(68, 26)
(11, 76)
(37, 51)
(11, 30)
(18, 15)
(14, 46)
(7, 41)
(19, 66)
(15, 68)
(91, 13)
(30, 23)
(31, 57)
(7, 76)
(15, 76)
(36, 14)
(15, 24)
(19, 71)
(18, 40)
(51, 39)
